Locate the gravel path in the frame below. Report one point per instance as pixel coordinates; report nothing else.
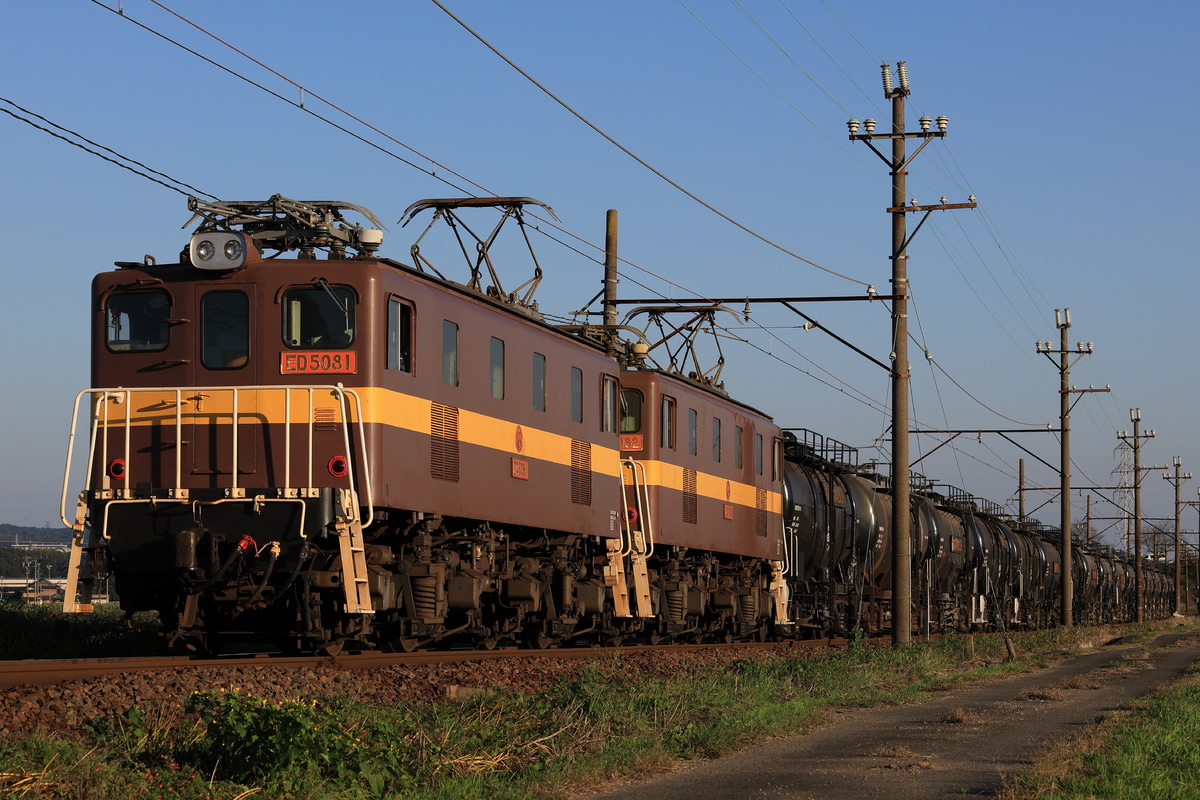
(963, 743)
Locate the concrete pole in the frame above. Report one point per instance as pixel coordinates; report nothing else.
(901, 501)
(1068, 584)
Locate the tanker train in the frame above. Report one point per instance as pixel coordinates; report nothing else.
(318, 451)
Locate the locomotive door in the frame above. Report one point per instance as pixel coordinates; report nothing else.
(226, 357)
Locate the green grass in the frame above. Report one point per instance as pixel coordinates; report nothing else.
(1151, 749)
(605, 721)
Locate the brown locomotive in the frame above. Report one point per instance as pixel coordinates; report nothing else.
(317, 451)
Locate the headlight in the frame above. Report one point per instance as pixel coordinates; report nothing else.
(218, 250)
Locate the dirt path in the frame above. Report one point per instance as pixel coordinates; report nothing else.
(963, 743)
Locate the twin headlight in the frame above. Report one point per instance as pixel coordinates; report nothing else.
(218, 250)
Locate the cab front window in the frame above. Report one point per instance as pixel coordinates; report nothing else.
(318, 317)
(224, 330)
(137, 321)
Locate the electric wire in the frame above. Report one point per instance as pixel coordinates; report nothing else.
(175, 188)
(638, 159)
(433, 173)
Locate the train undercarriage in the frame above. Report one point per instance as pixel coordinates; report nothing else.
(424, 582)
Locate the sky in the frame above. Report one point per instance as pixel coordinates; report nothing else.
(1059, 116)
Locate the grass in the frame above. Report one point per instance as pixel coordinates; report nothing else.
(602, 723)
(1150, 749)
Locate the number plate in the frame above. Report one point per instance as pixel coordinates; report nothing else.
(318, 363)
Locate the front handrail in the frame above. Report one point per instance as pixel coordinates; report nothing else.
(102, 399)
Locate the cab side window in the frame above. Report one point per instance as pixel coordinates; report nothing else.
(609, 404)
(631, 410)
(539, 382)
(224, 330)
(399, 345)
(137, 321)
(576, 394)
(318, 317)
(449, 353)
(496, 368)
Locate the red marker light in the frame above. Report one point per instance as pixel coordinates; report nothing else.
(339, 467)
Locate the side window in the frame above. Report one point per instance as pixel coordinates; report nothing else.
(608, 404)
(716, 439)
(137, 321)
(758, 454)
(668, 423)
(539, 382)
(576, 394)
(224, 330)
(737, 446)
(631, 410)
(318, 317)
(691, 431)
(399, 345)
(449, 353)
(496, 368)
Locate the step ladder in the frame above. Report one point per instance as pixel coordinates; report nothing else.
(354, 559)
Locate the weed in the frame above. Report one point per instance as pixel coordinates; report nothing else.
(961, 716)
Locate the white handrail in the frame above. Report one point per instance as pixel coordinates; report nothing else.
(348, 400)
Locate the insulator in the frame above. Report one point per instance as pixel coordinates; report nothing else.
(887, 80)
(902, 70)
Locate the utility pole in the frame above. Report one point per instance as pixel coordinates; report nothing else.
(1176, 480)
(898, 168)
(1021, 490)
(1089, 519)
(1135, 416)
(1062, 320)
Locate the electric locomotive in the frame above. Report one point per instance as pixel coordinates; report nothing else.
(321, 451)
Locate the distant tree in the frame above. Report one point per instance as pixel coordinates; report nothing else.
(12, 534)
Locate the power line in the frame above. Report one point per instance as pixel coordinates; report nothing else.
(636, 158)
(192, 189)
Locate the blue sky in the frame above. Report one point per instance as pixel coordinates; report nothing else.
(1068, 121)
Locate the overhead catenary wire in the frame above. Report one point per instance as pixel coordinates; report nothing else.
(119, 160)
(638, 159)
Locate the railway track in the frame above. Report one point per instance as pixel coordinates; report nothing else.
(46, 672)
